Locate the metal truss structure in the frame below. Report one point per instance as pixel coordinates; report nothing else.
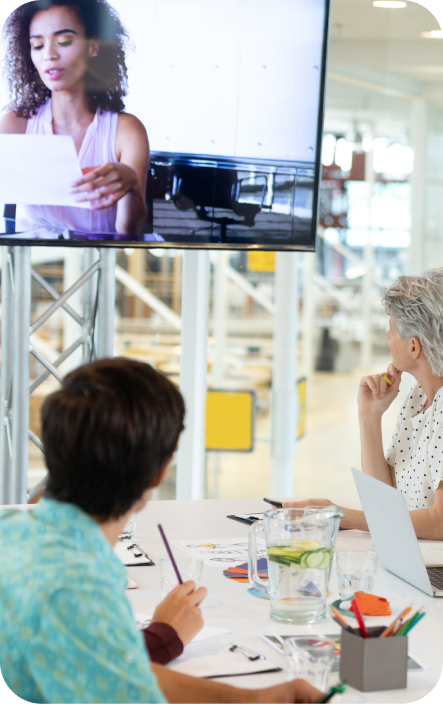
(96, 324)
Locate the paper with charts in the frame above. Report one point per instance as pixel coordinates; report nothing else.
(219, 552)
(39, 170)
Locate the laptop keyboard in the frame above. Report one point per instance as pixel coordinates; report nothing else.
(435, 575)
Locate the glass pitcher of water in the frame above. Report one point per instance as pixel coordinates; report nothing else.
(300, 546)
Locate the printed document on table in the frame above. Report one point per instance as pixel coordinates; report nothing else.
(39, 170)
(215, 659)
(221, 552)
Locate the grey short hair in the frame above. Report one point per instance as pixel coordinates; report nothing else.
(416, 305)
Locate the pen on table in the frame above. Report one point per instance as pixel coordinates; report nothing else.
(340, 618)
(388, 630)
(388, 381)
(171, 556)
(274, 503)
(341, 624)
(359, 616)
(252, 654)
(337, 689)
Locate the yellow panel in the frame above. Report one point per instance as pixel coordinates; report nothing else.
(301, 388)
(229, 420)
(261, 261)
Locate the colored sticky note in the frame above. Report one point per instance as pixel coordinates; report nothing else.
(372, 605)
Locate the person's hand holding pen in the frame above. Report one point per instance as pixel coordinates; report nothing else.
(180, 609)
(377, 391)
(105, 185)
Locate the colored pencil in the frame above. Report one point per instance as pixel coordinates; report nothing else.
(416, 620)
(171, 556)
(359, 616)
(409, 623)
(340, 617)
(388, 630)
(346, 628)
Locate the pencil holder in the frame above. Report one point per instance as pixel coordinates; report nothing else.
(373, 664)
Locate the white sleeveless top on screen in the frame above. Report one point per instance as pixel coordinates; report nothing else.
(416, 449)
(98, 148)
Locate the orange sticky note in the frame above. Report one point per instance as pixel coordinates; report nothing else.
(371, 605)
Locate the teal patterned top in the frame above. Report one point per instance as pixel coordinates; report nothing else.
(67, 633)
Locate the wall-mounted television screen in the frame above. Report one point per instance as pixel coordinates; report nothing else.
(163, 123)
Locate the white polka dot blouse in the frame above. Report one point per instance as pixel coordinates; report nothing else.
(416, 449)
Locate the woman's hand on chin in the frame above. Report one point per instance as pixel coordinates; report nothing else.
(106, 185)
(377, 391)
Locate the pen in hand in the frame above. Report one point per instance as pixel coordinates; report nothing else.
(337, 689)
(171, 556)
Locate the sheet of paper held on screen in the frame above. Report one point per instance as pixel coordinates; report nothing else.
(38, 170)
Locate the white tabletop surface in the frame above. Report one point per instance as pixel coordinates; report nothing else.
(247, 617)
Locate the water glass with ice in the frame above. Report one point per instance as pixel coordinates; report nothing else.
(309, 658)
(356, 571)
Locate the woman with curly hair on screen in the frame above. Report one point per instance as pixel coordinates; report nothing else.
(66, 70)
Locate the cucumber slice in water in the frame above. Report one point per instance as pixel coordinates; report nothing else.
(327, 559)
(314, 559)
(303, 559)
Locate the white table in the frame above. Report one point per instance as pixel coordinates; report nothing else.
(247, 617)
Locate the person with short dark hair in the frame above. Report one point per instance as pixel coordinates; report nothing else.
(120, 422)
(67, 633)
(66, 71)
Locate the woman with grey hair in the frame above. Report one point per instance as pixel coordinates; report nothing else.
(414, 461)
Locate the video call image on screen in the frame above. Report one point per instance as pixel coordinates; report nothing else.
(229, 94)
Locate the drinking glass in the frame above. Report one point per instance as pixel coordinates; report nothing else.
(189, 567)
(129, 529)
(356, 571)
(309, 658)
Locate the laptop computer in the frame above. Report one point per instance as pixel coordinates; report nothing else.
(394, 537)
